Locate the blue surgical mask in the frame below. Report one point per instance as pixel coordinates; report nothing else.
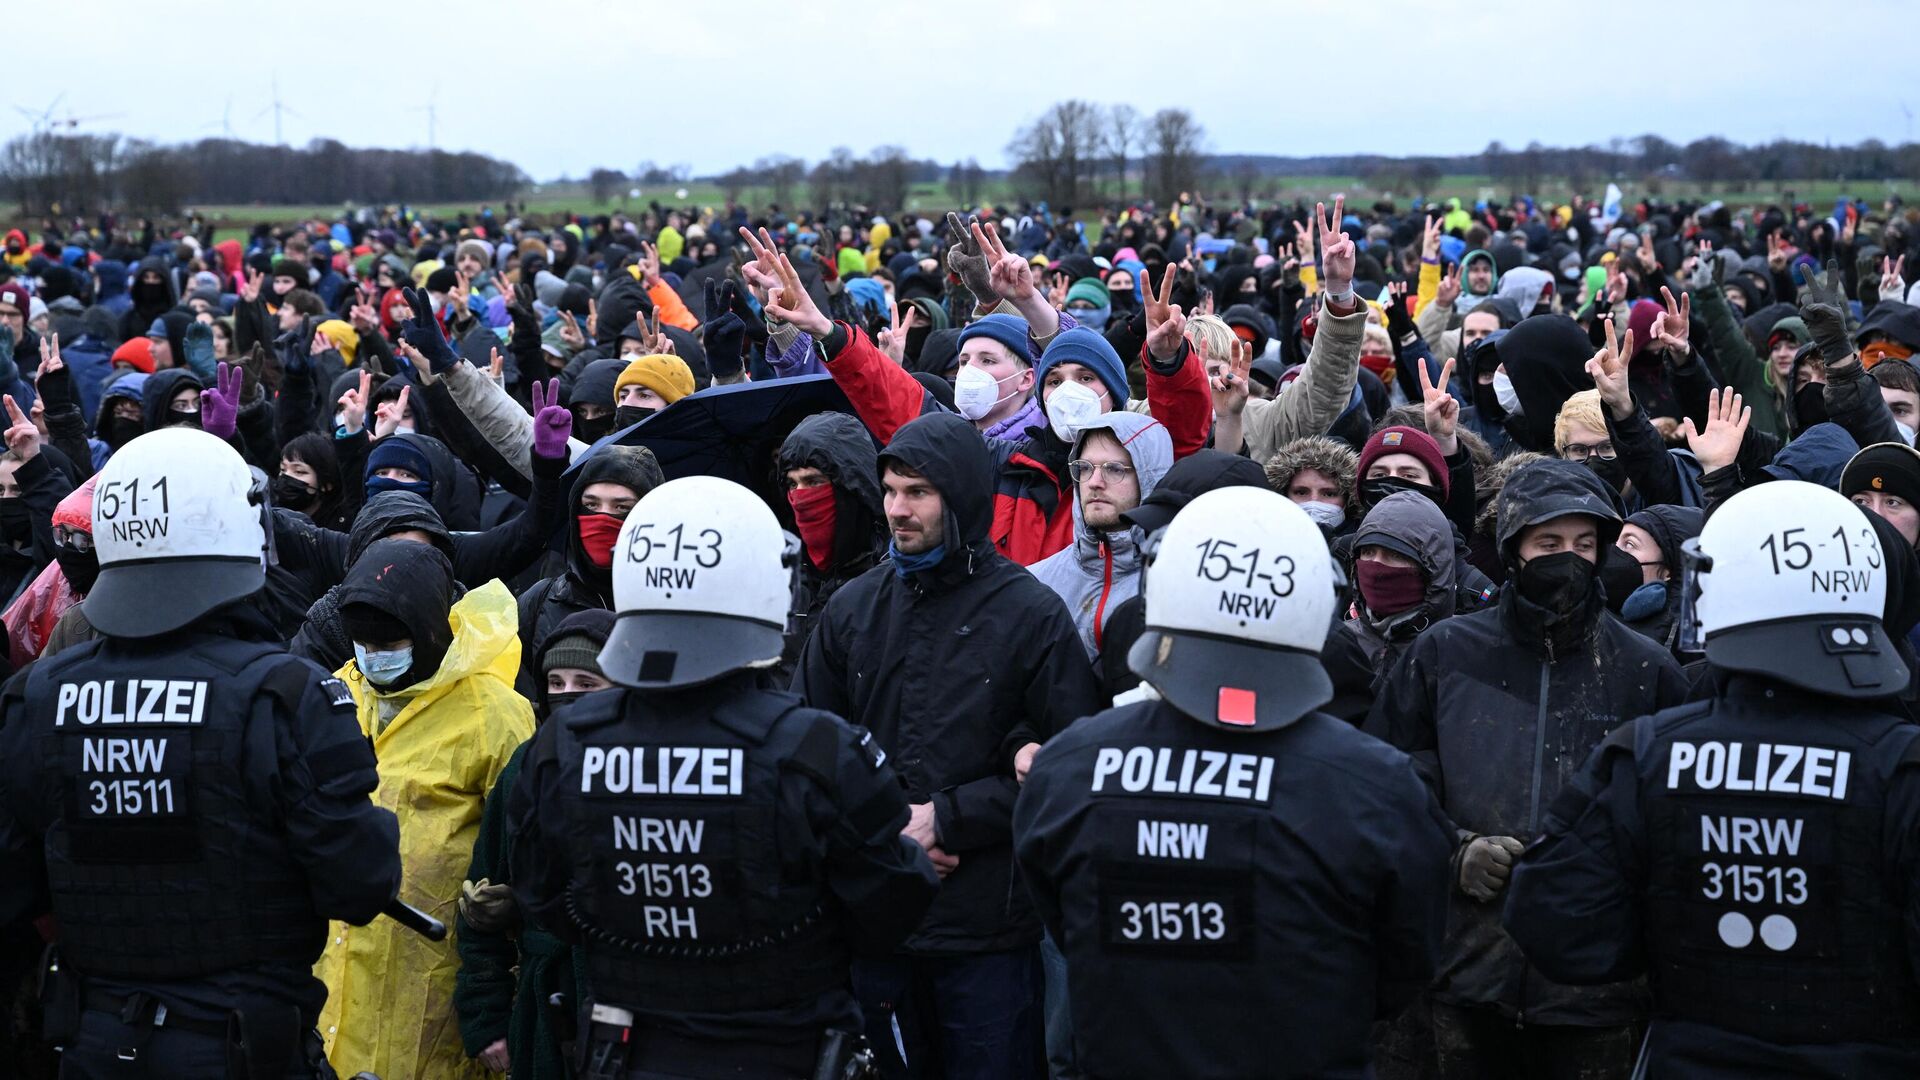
(382, 667)
(1091, 318)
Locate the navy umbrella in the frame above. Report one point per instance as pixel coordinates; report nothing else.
(733, 432)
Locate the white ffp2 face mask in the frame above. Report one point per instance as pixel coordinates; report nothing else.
(1070, 408)
(1504, 392)
(1906, 433)
(1328, 516)
(975, 392)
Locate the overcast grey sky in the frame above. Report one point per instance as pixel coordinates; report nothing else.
(562, 86)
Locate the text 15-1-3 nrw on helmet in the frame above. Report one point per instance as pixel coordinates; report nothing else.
(1788, 580)
(1240, 594)
(702, 578)
(179, 522)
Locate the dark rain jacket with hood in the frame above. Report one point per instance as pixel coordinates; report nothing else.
(1654, 608)
(1365, 647)
(1546, 357)
(1101, 570)
(149, 301)
(582, 586)
(839, 446)
(1499, 709)
(954, 668)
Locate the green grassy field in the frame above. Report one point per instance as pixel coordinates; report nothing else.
(573, 198)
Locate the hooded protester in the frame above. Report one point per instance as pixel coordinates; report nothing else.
(1117, 461)
(1479, 280)
(1404, 573)
(1546, 360)
(1498, 708)
(510, 967)
(433, 683)
(591, 399)
(606, 487)
(952, 719)
(153, 294)
(1321, 475)
(1190, 477)
(830, 471)
(1646, 594)
(170, 397)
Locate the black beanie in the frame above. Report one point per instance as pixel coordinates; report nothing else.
(1890, 467)
(443, 279)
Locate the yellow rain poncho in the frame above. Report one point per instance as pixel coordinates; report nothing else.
(390, 991)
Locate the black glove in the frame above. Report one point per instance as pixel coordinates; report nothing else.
(423, 333)
(735, 299)
(1823, 305)
(56, 389)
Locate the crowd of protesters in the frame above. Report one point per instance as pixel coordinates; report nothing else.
(455, 415)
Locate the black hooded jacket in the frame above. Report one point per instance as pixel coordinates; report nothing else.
(158, 393)
(840, 447)
(149, 301)
(583, 586)
(1499, 709)
(1546, 357)
(954, 668)
(1670, 526)
(413, 583)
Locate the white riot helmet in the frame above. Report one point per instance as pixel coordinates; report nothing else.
(702, 580)
(1788, 580)
(180, 526)
(1240, 596)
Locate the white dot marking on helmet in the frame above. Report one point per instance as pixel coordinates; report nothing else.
(1736, 930)
(1778, 932)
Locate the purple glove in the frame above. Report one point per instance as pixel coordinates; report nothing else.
(220, 406)
(552, 423)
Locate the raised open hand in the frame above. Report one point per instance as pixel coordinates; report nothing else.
(1893, 282)
(1430, 240)
(762, 272)
(1230, 385)
(220, 403)
(649, 265)
(1011, 275)
(1823, 306)
(422, 331)
(1166, 323)
(353, 405)
(1719, 445)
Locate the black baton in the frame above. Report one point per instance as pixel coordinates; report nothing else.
(415, 920)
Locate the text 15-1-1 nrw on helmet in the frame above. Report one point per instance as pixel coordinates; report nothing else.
(1788, 580)
(702, 579)
(179, 522)
(1240, 594)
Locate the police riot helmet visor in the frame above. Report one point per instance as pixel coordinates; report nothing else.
(138, 600)
(670, 650)
(1839, 657)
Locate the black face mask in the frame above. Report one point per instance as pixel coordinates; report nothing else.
(1620, 574)
(592, 429)
(1124, 302)
(1810, 405)
(628, 415)
(182, 418)
(1372, 491)
(293, 493)
(1559, 582)
(556, 702)
(82, 568)
(16, 522)
(118, 431)
(1611, 471)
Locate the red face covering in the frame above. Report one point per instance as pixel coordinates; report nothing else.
(597, 534)
(813, 515)
(1390, 590)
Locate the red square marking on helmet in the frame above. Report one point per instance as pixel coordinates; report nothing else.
(1236, 707)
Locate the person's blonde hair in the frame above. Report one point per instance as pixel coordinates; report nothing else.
(1581, 408)
(1377, 335)
(1213, 338)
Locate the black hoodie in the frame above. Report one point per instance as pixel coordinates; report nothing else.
(1546, 357)
(149, 301)
(583, 586)
(841, 448)
(954, 669)
(157, 395)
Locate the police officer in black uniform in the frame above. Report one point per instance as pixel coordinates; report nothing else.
(188, 801)
(1241, 884)
(719, 851)
(1756, 855)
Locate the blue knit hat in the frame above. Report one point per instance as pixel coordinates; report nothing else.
(1008, 330)
(399, 452)
(1081, 345)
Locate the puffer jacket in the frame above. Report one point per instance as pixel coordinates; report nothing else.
(953, 669)
(1101, 570)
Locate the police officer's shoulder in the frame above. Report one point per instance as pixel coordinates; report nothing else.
(1334, 744)
(1089, 731)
